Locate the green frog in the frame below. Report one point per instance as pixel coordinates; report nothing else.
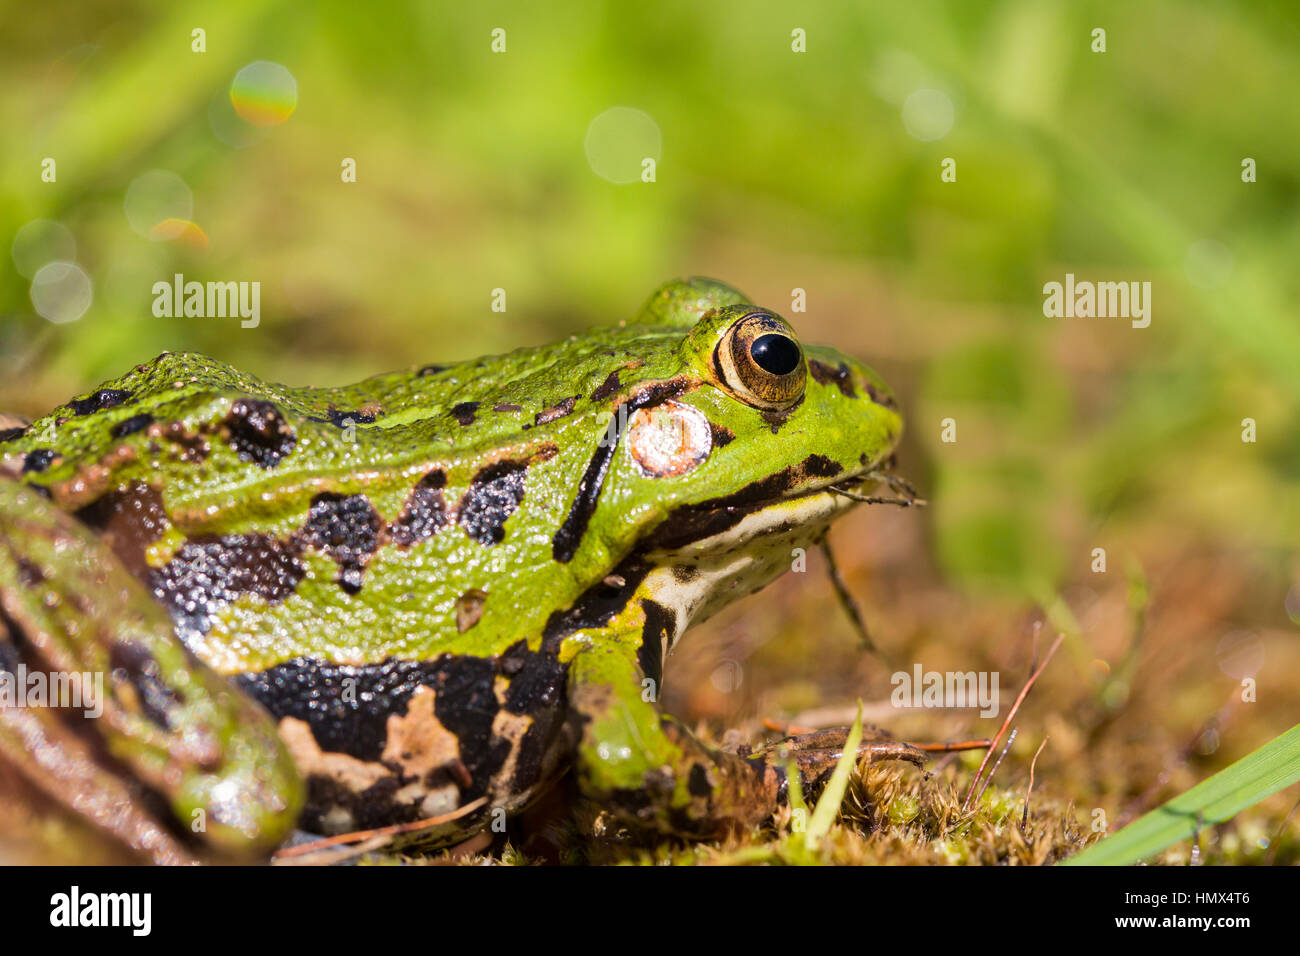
(422, 597)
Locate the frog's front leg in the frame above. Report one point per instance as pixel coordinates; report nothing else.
(126, 717)
(648, 769)
(652, 773)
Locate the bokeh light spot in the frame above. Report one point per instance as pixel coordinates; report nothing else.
(40, 242)
(187, 233)
(1241, 654)
(928, 115)
(264, 93)
(1293, 604)
(617, 142)
(1208, 263)
(61, 292)
(156, 197)
(228, 127)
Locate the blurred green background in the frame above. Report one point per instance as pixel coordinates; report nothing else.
(776, 170)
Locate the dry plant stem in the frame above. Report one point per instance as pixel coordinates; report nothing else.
(1011, 715)
(398, 828)
(957, 745)
(998, 763)
(849, 605)
(877, 499)
(1024, 816)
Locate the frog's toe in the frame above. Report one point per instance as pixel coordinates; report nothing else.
(816, 754)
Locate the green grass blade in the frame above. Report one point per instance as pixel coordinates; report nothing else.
(829, 804)
(1252, 778)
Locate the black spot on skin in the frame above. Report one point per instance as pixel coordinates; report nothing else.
(134, 665)
(660, 622)
(466, 704)
(558, 410)
(129, 426)
(819, 466)
(104, 398)
(210, 571)
(596, 606)
(722, 435)
(376, 806)
(606, 388)
(698, 781)
(494, 494)
(684, 573)
(432, 370)
(346, 527)
(39, 459)
(464, 412)
(425, 511)
(352, 723)
(9, 434)
(569, 535)
(827, 375)
(29, 575)
(536, 679)
(537, 684)
(343, 419)
(259, 433)
(880, 398)
(507, 407)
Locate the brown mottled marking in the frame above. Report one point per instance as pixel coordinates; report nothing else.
(464, 412)
(469, 608)
(558, 410)
(828, 375)
(129, 520)
(606, 388)
(258, 432)
(881, 398)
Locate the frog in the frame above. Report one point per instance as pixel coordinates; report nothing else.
(419, 600)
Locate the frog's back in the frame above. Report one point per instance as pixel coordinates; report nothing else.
(385, 520)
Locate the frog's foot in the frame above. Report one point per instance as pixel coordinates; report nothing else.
(126, 721)
(651, 773)
(816, 754)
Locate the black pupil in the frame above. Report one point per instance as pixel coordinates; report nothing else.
(775, 353)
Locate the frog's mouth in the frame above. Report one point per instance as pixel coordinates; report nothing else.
(711, 553)
(779, 505)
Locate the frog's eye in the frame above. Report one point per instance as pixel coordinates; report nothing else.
(760, 361)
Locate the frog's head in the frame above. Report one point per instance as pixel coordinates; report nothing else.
(740, 443)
